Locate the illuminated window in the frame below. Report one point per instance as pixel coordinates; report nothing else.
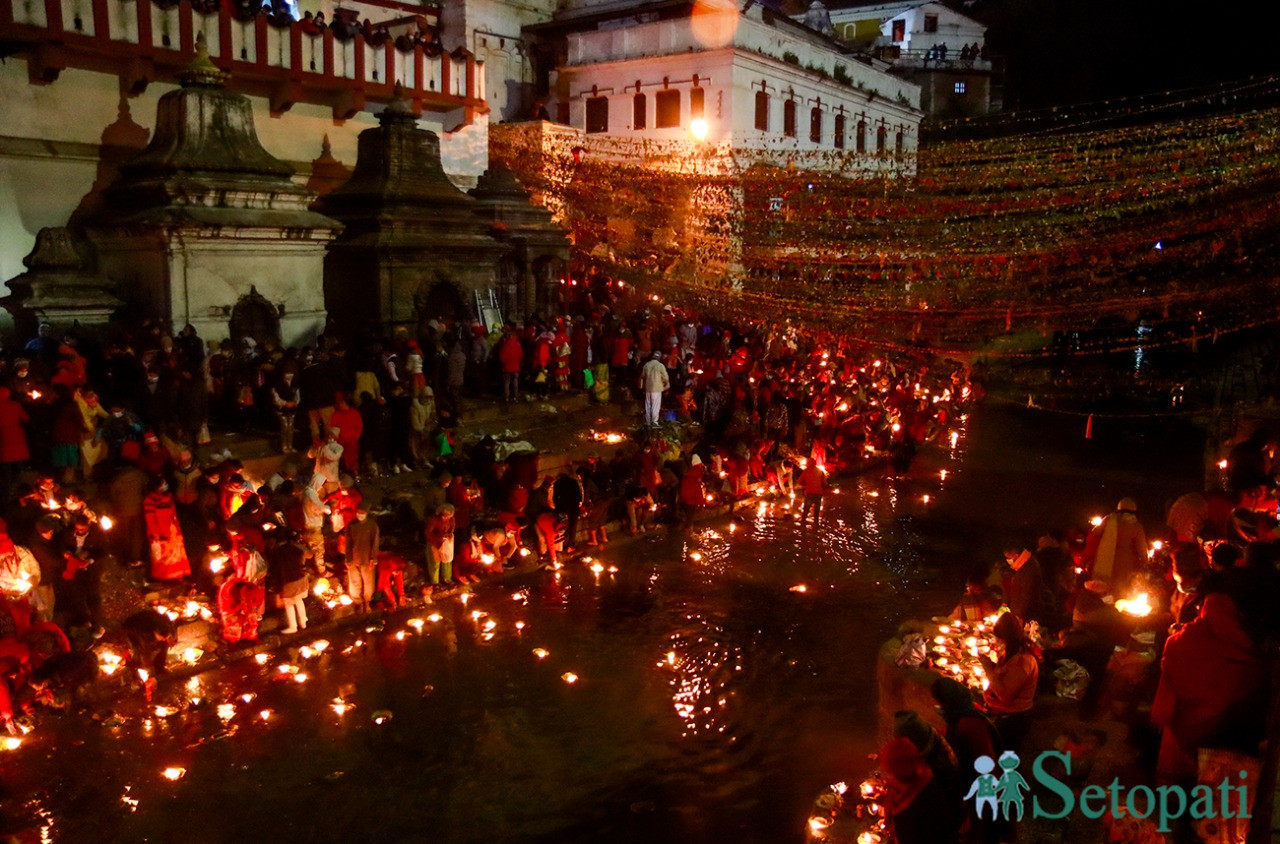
(960, 87)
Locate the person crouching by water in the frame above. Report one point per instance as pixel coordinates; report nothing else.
(1012, 690)
(915, 801)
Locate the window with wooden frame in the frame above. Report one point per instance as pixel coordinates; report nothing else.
(697, 103)
(597, 115)
(667, 106)
(762, 110)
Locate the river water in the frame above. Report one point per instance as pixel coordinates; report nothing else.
(712, 703)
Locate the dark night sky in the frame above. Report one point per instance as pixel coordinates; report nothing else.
(1064, 51)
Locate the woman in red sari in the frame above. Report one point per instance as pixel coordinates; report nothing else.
(168, 553)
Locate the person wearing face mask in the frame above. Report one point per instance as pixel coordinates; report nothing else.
(122, 431)
(168, 551)
(363, 541)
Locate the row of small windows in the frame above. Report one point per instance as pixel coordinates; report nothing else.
(666, 109)
(816, 126)
(667, 116)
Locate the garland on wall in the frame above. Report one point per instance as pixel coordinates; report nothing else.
(1174, 223)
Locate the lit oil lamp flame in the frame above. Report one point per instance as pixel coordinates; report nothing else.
(696, 556)
(11, 742)
(569, 677)
(106, 523)
(1096, 521)
(799, 587)
(435, 618)
(173, 774)
(265, 714)
(261, 659)
(541, 653)
(340, 706)
(1138, 606)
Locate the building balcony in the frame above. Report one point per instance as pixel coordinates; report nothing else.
(928, 60)
(341, 65)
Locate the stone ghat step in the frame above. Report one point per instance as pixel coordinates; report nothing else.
(552, 426)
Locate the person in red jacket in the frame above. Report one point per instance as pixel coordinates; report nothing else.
(813, 482)
(13, 437)
(350, 425)
(620, 357)
(692, 494)
(511, 357)
(1212, 692)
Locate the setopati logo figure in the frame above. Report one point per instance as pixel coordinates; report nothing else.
(984, 788)
(1007, 790)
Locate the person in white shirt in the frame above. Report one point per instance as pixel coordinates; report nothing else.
(654, 382)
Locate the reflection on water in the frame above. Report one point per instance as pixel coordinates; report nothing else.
(711, 700)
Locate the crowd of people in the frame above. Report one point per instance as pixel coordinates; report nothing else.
(1201, 594)
(109, 471)
(107, 466)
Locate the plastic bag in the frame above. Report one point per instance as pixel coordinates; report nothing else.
(912, 652)
(1072, 678)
